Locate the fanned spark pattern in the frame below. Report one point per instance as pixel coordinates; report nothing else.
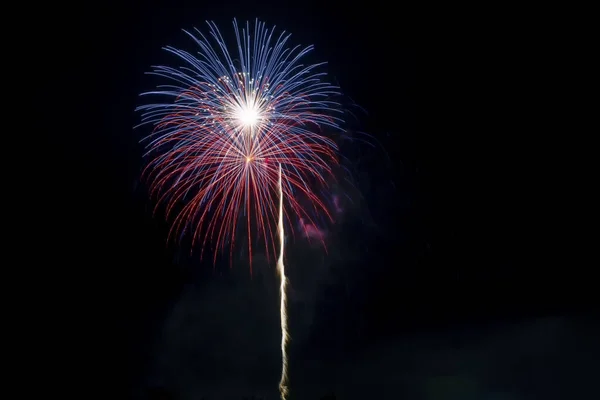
(229, 122)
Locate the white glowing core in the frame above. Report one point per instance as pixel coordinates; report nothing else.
(248, 116)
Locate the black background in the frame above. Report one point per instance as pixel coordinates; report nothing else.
(456, 253)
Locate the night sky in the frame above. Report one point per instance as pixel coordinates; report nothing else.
(425, 291)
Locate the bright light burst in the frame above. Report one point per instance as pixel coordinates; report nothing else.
(248, 116)
(227, 123)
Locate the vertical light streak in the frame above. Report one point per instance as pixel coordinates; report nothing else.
(283, 383)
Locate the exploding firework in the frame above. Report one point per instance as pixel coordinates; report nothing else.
(227, 123)
(237, 135)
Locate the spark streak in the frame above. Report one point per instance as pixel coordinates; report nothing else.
(283, 384)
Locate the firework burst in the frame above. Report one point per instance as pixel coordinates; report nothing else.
(228, 122)
(236, 137)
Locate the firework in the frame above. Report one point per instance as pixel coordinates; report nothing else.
(229, 120)
(236, 133)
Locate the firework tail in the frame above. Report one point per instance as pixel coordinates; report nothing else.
(283, 383)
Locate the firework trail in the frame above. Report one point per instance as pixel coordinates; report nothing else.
(234, 132)
(283, 383)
